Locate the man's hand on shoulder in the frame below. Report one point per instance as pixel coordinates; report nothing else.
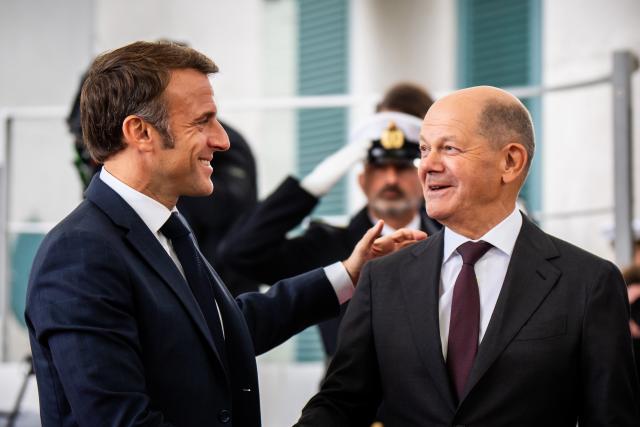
(372, 246)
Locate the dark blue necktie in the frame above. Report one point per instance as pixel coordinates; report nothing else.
(464, 326)
(195, 271)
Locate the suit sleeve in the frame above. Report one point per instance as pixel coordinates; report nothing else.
(79, 310)
(351, 391)
(610, 391)
(289, 306)
(258, 246)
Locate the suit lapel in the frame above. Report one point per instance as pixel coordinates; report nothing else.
(238, 340)
(231, 314)
(529, 279)
(420, 282)
(146, 244)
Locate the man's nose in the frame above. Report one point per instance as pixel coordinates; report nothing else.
(391, 174)
(218, 138)
(431, 162)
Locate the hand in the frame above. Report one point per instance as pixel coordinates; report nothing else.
(328, 172)
(397, 240)
(633, 292)
(372, 246)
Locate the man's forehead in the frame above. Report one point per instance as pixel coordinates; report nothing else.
(445, 126)
(451, 113)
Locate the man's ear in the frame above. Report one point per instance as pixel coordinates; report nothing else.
(514, 162)
(137, 133)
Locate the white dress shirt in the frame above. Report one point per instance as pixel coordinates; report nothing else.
(490, 270)
(154, 214)
(414, 224)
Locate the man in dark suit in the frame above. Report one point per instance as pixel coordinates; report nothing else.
(129, 325)
(491, 322)
(259, 245)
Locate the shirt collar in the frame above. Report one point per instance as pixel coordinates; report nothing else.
(153, 213)
(503, 236)
(414, 224)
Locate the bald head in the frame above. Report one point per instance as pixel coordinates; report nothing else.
(500, 117)
(476, 147)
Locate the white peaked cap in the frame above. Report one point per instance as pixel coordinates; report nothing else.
(371, 129)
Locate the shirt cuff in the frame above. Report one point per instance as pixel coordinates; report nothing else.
(340, 280)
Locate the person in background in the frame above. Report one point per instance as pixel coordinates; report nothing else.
(632, 279)
(387, 143)
(631, 275)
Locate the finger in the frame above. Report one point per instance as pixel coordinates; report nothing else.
(419, 235)
(633, 292)
(382, 248)
(384, 243)
(405, 244)
(406, 234)
(372, 234)
(634, 328)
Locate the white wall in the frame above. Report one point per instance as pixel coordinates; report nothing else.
(254, 44)
(45, 49)
(579, 38)
(44, 46)
(402, 40)
(228, 32)
(275, 146)
(392, 41)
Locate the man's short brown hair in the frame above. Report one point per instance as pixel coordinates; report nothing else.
(408, 98)
(501, 122)
(131, 80)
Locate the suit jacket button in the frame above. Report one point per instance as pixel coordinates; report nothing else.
(224, 416)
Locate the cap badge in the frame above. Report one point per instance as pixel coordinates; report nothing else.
(392, 138)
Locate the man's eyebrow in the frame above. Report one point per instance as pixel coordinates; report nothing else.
(441, 138)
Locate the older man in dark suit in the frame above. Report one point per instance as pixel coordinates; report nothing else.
(490, 322)
(128, 323)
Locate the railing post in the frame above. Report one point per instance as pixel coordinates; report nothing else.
(5, 128)
(624, 64)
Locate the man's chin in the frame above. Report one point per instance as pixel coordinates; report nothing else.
(436, 212)
(392, 209)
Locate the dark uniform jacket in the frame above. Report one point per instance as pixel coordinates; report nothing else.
(259, 248)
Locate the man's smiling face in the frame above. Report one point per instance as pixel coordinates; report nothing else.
(183, 166)
(459, 169)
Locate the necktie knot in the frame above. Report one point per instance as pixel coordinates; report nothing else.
(175, 227)
(471, 252)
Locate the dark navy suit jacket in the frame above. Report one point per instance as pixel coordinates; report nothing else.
(119, 340)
